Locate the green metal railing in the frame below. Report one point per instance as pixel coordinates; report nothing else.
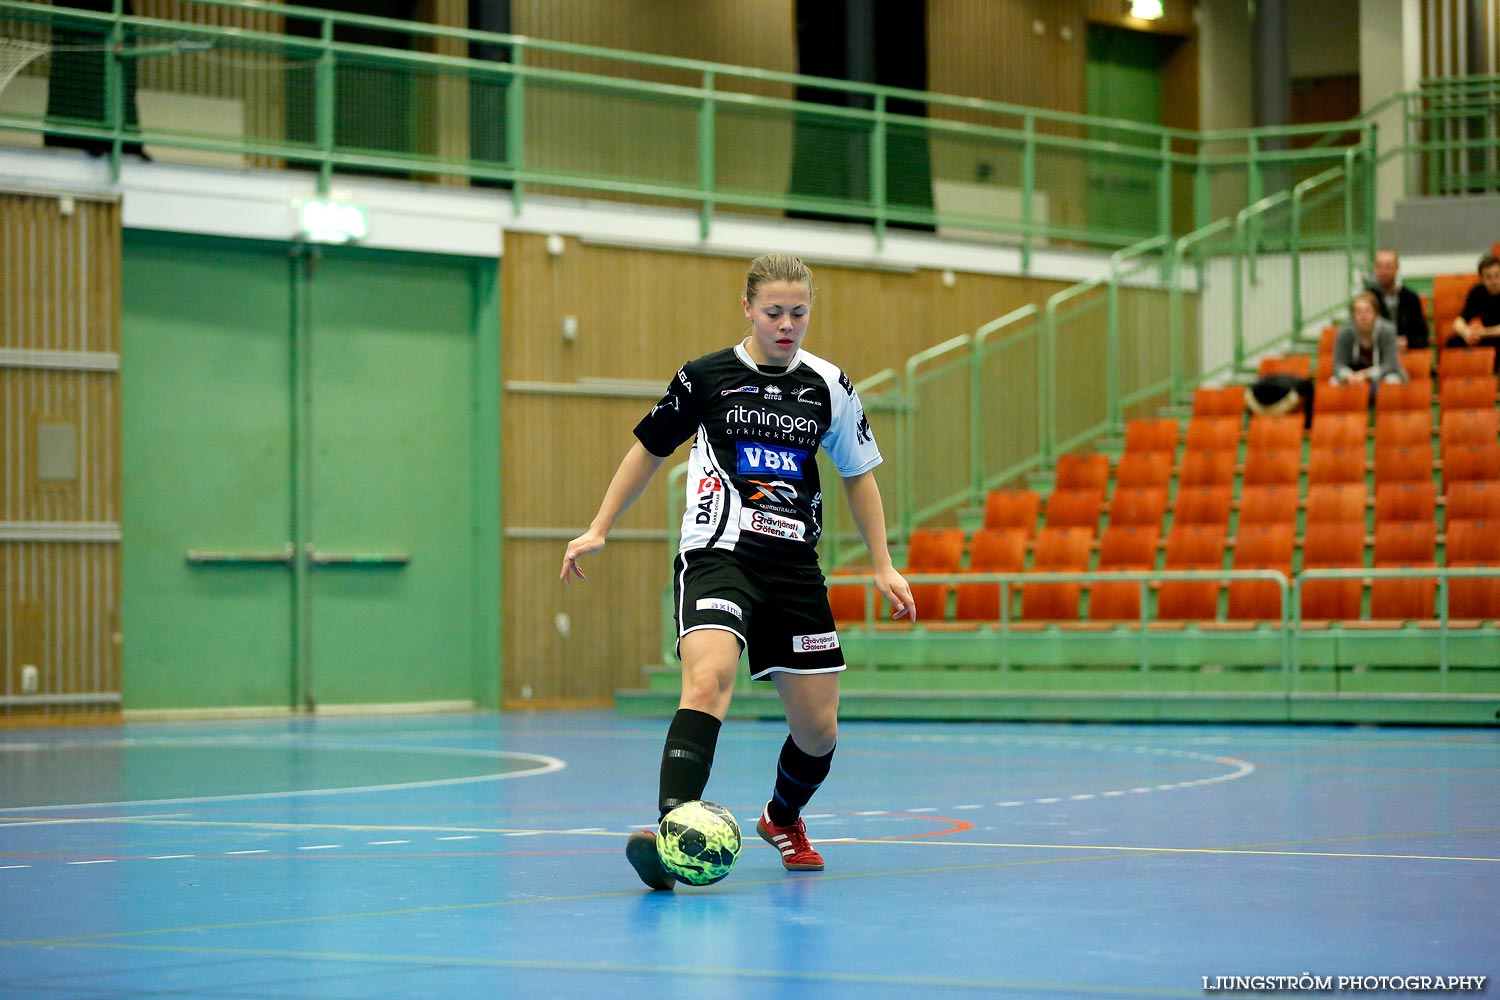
(591, 120)
(1284, 635)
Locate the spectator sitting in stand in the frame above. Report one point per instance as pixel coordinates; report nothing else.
(1478, 323)
(1396, 302)
(1364, 350)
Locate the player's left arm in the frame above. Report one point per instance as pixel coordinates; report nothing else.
(869, 516)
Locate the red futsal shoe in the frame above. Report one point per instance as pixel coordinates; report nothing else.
(640, 851)
(797, 854)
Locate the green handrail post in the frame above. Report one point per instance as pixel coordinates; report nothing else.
(1028, 187)
(1164, 189)
(1371, 159)
(706, 155)
(1113, 407)
(907, 518)
(877, 171)
(515, 125)
(978, 437)
(1299, 195)
(324, 107)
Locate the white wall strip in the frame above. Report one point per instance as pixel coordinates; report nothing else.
(59, 531)
(43, 700)
(540, 534)
(76, 361)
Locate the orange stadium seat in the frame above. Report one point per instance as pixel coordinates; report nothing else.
(1467, 362)
(1057, 550)
(1335, 545)
(1405, 501)
(848, 600)
(1410, 463)
(1206, 468)
(1336, 465)
(1191, 546)
(1352, 397)
(1299, 365)
(1465, 463)
(1477, 392)
(991, 550)
(1012, 509)
(1226, 401)
(1448, 294)
(1268, 504)
(1138, 505)
(1334, 503)
(1260, 546)
(934, 550)
(1203, 505)
(1404, 544)
(1469, 427)
(1403, 427)
(1408, 396)
(1122, 547)
(1474, 543)
(1149, 468)
(1474, 500)
(1213, 433)
(1266, 466)
(1340, 430)
(1076, 471)
(1151, 434)
(1274, 432)
(1418, 364)
(1074, 509)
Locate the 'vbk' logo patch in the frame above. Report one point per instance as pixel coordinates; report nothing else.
(755, 459)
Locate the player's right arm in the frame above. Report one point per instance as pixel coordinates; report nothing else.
(630, 479)
(670, 422)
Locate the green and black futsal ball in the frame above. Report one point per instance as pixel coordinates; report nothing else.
(699, 842)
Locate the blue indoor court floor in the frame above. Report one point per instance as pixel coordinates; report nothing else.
(466, 856)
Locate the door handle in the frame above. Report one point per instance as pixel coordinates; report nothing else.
(371, 559)
(283, 557)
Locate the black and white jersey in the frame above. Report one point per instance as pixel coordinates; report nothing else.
(752, 484)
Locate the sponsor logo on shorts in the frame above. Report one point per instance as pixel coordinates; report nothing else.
(765, 523)
(759, 459)
(815, 643)
(717, 604)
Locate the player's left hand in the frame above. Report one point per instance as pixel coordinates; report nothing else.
(898, 592)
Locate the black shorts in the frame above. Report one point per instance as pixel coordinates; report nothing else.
(779, 613)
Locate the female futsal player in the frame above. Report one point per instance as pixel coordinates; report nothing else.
(746, 575)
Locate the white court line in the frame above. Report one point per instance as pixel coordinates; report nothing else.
(321, 847)
(382, 843)
(101, 861)
(467, 836)
(546, 765)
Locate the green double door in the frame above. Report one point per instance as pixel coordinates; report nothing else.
(302, 476)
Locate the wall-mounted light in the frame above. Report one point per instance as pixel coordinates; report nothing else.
(1148, 10)
(333, 221)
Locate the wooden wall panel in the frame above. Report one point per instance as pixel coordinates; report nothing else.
(640, 314)
(59, 599)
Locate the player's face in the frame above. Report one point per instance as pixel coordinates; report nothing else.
(1491, 278)
(778, 321)
(1385, 269)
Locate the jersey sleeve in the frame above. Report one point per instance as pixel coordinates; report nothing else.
(674, 418)
(849, 443)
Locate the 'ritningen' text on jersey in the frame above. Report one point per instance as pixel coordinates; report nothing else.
(752, 484)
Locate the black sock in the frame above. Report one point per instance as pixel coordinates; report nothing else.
(798, 775)
(687, 758)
